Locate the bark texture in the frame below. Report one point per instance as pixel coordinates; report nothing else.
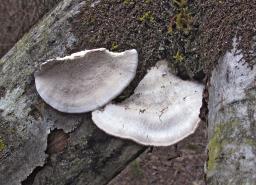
(16, 17)
(83, 154)
(232, 126)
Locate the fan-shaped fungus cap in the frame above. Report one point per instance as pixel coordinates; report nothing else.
(86, 80)
(162, 111)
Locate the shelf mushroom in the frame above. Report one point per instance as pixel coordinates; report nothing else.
(86, 80)
(162, 111)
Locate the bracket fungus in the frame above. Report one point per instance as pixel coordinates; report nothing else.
(86, 80)
(162, 111)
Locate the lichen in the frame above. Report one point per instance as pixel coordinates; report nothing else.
(2, 145)
(27, 135)
(250, 142)
(221, 137)
(16, 104)
(214, 148)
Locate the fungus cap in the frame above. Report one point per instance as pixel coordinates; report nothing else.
(162, 111)
(86, 80)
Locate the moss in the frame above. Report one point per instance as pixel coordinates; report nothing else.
(193, 147)
(136, 169)
(180, 3)
(183, 33)
(132, 28)
(222, 134)
(127, 2)
(147, 1)
(147, 16)
(114, 46)
(2, 145)
(179, 57)
(184, 21)
(170, 28)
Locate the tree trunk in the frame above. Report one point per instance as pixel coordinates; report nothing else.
(39, 145)
(232, 126)
(78, 152)
(16, 18)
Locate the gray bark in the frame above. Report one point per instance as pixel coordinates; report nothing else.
(89, 155)
(232, 126)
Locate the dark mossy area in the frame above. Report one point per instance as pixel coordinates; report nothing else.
(157, 29)
(221, 21)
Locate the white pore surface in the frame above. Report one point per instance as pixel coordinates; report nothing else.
(86, 80)
(162, 111)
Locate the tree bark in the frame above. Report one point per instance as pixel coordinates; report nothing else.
(17, 17)
(39, 145)
(232, 126)
(80, 153)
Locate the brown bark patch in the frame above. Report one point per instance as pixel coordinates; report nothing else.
(57, 141)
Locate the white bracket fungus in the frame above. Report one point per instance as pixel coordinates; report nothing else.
(86, 80)
(162, 111)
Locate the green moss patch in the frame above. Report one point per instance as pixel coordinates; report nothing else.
(2, 145)
(136, 169)
(222, 136)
